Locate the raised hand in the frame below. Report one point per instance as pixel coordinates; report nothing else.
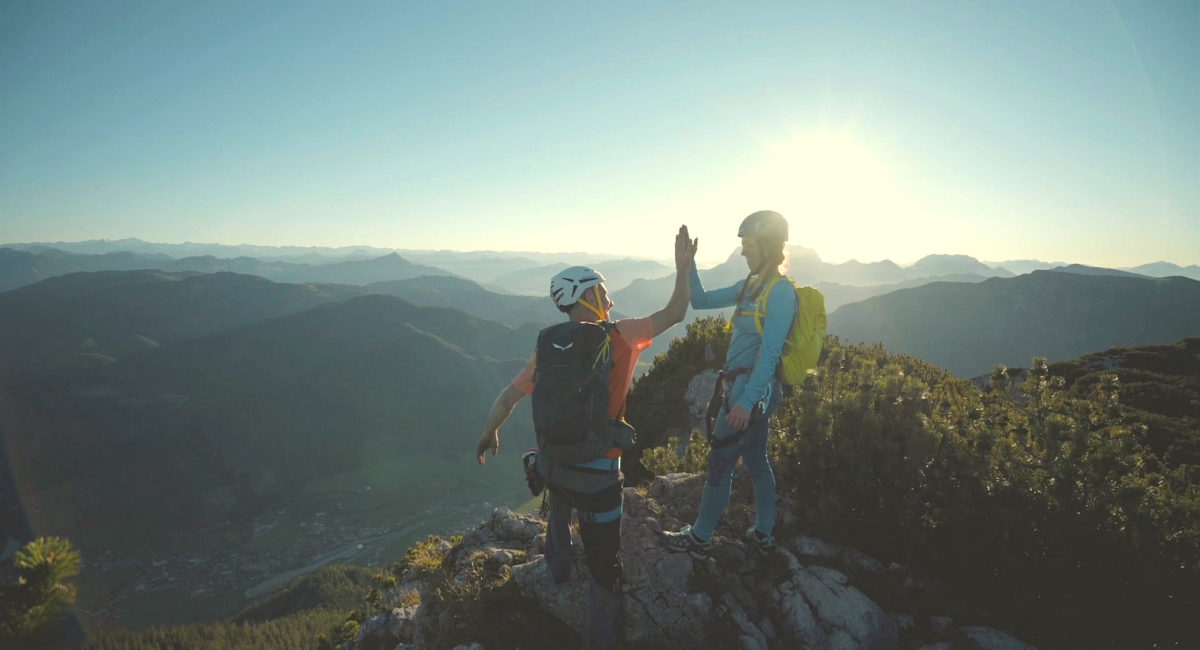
(685, 249)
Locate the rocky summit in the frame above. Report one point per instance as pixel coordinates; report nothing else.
(809, 593)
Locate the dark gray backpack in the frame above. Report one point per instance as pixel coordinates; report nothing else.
(570, 391)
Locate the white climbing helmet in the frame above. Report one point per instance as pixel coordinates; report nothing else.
(568, 285)
(764, 223)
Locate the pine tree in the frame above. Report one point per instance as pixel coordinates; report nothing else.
(40, 592)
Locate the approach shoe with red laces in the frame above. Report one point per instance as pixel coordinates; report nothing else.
(686, 540)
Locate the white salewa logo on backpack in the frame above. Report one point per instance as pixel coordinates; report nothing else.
(568, 347)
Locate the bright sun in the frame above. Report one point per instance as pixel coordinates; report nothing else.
(839, 187)
(826, 174)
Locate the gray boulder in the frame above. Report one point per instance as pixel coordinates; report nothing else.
(819, 608)
(809, 594)
(699, 391)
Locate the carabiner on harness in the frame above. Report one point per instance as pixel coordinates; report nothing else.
(719, 401)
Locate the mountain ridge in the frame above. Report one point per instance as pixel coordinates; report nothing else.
(291, 414)
(968, 328)
(49, 324)
(25, 263)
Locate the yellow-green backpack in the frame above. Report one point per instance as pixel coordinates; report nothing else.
(802, 347)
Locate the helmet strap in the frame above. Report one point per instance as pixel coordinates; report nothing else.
(598, 308)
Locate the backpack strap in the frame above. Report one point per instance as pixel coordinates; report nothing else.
(760, 303)
(606, 352)
(760, 306)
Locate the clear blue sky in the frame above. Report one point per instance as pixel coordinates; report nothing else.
(1002, 130)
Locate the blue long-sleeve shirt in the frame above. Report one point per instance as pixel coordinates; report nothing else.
(747, 348)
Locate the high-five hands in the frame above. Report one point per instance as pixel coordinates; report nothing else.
(685, 249)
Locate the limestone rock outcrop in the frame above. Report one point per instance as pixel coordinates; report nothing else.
(808, 594)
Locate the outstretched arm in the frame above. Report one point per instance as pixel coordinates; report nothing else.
(501, 409)
(715, 299)
(685, 250)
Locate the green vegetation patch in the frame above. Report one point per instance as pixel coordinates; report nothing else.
(297, 616)
(339, 587)
(1061, 513)
(296, 632)
(177, 605)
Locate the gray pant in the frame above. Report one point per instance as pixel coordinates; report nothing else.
(600, 528)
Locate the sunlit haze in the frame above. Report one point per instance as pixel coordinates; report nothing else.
(1018, 130)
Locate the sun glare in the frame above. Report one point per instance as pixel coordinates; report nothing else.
(846, 196)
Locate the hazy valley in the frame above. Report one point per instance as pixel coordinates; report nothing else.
(206, 427)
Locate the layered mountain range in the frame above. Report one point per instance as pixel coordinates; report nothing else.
(140, 402)
(970, 328)
(502, 272)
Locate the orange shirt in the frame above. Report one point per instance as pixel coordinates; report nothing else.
(632, 336)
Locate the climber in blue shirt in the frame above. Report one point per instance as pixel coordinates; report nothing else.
(749, 382)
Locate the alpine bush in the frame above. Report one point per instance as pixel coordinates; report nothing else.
(1061, 506)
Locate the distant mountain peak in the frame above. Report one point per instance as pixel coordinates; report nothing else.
(952, 264)
(802, 253)
(1083, 269)
(946, 256)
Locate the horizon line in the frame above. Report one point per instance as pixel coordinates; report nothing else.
(716, 260)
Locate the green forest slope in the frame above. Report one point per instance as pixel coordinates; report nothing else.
(1066, 507)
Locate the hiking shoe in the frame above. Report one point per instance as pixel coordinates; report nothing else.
(686, 540)
(763, 544)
